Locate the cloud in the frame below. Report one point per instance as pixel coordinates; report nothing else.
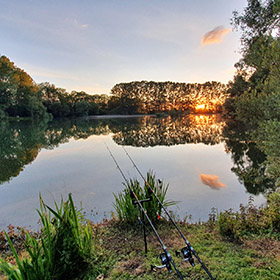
(215, 36)
(78, 24)
(212, 181)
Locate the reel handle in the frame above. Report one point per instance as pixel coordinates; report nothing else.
(164, 261)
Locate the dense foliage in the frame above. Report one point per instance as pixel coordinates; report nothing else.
(255, 92)
(20, 96)
(152, 97)
(60, 103)
(18, 92)
(251, 219)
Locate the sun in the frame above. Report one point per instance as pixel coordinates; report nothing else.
(200, 107)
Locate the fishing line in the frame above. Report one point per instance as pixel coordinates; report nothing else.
(187, 250)
(166, 258)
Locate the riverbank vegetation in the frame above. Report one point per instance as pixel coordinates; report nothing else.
(60, 251)
(241, 245)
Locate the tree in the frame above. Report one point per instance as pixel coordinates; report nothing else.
(8, 83)
(260, 26)
(258, 71)
(18, 92)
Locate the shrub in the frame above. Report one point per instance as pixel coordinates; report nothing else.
(228, 223)
(61, 251)
(128, 212)
(251, 219)
(271, 213)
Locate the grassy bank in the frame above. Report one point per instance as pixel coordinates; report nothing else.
(118, 253)
(257, 257)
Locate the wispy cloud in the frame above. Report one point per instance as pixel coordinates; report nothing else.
(215, 36)
(84, 25)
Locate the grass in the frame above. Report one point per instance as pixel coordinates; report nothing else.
(249, 258)
(119, 253)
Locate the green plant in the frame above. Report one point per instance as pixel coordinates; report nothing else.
(129, 212)
(271, 213)
(251, 219)
(61, 251)
(228, 223)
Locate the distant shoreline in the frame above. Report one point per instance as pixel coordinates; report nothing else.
(116, 116)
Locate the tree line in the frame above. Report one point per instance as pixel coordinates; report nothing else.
(20, 96)
(153, 97)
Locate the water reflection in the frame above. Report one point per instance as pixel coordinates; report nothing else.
(213, 181)
(21, 142)
(249, 161)
(19, 145)
(205, 129)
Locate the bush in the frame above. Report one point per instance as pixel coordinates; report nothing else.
(128, 212)
(61, 251)
(271, 213)
(251, 219)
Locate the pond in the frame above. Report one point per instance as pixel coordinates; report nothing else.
(201, 158)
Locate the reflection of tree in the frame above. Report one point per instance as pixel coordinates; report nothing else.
(18, 147)
(249, 161)
(205, 129)
(20, 142)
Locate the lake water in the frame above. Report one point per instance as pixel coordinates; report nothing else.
(66, 156)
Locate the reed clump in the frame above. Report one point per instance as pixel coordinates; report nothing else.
(62, 249)
(127, 211)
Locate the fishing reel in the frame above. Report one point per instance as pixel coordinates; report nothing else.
(165, 261)
(187, 255)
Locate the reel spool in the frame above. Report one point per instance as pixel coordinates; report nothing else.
(187, 255)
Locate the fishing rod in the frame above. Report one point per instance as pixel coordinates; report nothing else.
(186, 251)
(165, 257)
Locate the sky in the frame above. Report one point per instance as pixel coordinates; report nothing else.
(91, 45)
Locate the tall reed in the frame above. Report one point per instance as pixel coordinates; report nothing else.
(129, 212)
(62, 250)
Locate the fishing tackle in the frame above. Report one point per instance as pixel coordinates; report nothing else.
(187, 255)
(186, 251)
(164, 261)
(165, 257)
